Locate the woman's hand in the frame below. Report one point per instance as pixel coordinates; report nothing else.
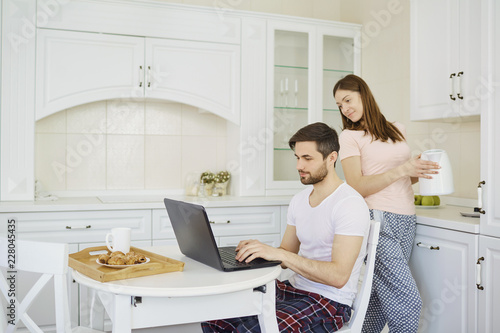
(419, 168)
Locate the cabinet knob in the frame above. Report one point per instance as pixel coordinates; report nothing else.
(215, 222)
(430, 247)
(149, 76)
(478, 274)
(479, 207)
(82, 227)
(141, 76)
(452, 86)
(459, 84)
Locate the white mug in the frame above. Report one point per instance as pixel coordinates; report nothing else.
(121, 240)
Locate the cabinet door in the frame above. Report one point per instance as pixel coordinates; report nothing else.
(490, 120)
(74, 68)
(205, 75)
(445, 59)
(443, 265)
(304, 63)
(469, 80)
(338, 56)
(434, 47)
(291, 102)
(489, 280)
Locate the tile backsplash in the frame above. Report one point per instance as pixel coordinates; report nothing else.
(127, 145)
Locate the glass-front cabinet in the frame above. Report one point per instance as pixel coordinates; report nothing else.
(304, 63)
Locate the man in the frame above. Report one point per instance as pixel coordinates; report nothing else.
(324, 244)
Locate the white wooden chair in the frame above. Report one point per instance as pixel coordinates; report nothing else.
(48, 259)
(360, 304)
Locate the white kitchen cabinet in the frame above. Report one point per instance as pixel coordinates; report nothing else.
(80, 226)
(488, 284)
(445, 59)
(489, 239)
(228, 224)
(75, 68)
(490, 120)
(205, 75)
(304, 62)
(443, 265)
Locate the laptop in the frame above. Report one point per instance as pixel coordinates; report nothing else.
(196, 239)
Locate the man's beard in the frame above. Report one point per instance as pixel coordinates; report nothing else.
(316, 178)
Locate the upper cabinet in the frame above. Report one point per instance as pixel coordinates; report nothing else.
(304, 63)
(490, 120)
(445, 59)
(77, 67)
(205, 75)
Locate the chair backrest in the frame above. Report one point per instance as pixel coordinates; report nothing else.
(360, 304)
(48, 259)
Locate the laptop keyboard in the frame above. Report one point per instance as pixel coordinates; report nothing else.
(228, 258)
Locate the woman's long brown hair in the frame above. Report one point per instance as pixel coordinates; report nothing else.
(374, 121)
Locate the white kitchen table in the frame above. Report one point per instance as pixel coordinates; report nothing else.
(199, 293)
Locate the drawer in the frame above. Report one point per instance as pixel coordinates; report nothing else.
(231, 221)
(80, 226)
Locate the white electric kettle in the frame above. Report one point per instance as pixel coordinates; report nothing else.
(441, 183)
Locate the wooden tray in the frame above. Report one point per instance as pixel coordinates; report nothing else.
(86, 264)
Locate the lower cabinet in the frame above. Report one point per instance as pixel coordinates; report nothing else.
(229, 225)
(489, 284)
(443, 263)
(83, 229)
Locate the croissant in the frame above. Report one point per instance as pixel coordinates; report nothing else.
(117, 253)
(141, 258)
(130, 260)
(130, 254)
(116, 261)
(103, 258)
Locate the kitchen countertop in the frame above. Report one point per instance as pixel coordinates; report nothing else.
(118, 202)
(448, 217)
(445, 216)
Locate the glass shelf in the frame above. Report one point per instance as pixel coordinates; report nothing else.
(290, 108)
(337, 70)
(324, 69)
(291, 67)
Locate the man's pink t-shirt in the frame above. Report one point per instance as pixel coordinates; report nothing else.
(378, 157)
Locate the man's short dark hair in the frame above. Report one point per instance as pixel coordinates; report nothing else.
(325, 137)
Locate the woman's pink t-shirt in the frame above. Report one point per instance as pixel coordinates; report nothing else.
(378, 157)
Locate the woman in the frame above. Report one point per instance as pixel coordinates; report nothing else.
(377, 163)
